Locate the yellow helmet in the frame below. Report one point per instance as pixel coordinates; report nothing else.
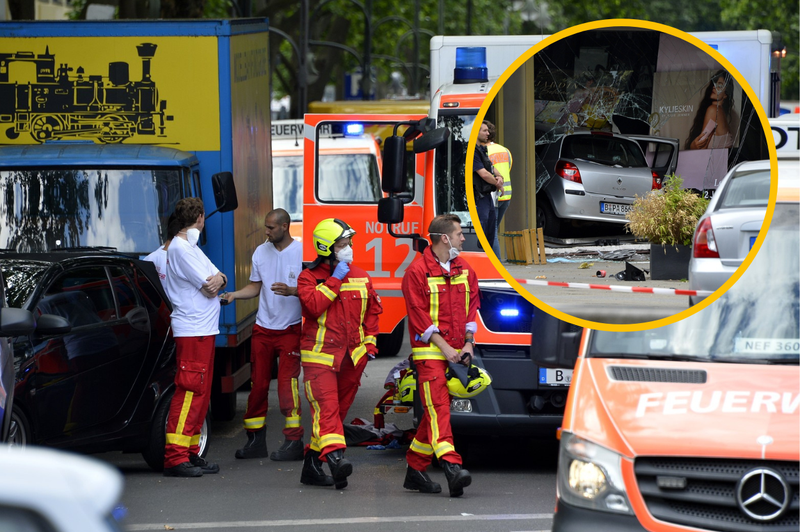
(327, 232)
(408, 387)
(467, 382)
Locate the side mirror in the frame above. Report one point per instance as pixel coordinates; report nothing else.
(431, 140)
(51, 324)
(224, 192)
(390, 210)
(394, 164)
(16, 322)
(554, 343)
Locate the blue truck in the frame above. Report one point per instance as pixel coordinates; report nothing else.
(105, 126)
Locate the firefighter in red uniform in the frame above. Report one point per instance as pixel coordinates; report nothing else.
(441, 293)
(341, 310)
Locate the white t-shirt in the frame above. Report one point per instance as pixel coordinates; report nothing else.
(272, 266)
(193, 314)
(159, 258)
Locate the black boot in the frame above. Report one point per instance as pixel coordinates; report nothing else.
(290, 451)
(207, 467)
(420, 481)
(341, 468)
(457, 478)
(312, 474)
(256, 446)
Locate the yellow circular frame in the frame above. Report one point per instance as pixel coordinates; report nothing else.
(621, 24)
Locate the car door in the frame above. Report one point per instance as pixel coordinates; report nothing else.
(661, 153)
(84, 377)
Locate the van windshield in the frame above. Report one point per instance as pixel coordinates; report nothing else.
(755, 321)
(287, 185)
(46, 209)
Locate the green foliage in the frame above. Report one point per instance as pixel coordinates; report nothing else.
(667, 216)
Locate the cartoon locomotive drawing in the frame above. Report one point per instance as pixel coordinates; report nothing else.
(63, 106)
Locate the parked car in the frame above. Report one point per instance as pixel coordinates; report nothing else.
(46, 490)
(13, 322)
(104, 383)
(595, 176)
(729, 228)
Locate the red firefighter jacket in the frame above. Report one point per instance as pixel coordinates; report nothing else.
(341, 317)
(447, 300)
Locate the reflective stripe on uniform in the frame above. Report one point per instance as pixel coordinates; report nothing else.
(360, 286)
(293, 419)
(358, 353)
(433, 284)
(314, 357)
(314, 444)
(439, 447)
(370, 340)
(463, 278)
(331, 439)
(430, 352)
(421, 448)
(254, 423)
(327, 291)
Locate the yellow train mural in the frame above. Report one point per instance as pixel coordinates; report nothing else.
(68, 103)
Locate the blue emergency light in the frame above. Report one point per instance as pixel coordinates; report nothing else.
(471, 65)
(509, 312)
(353, 130)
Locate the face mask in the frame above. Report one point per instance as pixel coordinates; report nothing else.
(193, 235)
(345, 255)
(453, 250)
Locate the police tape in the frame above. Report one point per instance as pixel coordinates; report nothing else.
(611, 287)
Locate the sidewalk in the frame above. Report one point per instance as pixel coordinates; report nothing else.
(580, 264)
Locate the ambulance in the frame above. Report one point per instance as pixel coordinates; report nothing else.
(346, 155)
(694, 426)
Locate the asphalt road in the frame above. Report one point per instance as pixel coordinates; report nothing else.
(580, 264)
(513, 485)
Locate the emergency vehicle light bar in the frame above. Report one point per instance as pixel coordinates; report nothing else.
(471, 65)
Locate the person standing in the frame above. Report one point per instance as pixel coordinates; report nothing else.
(341, 310)
(276, 336)
(192, 286)
(500, 156)
(441, 293)
(484, 182)
(159, 256)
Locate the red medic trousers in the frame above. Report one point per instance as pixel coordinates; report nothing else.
(434, 435)
(330, 395)
(187, 412)
(267, 346)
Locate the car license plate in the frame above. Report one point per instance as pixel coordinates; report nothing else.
(555, 377)
(752, 241)
(614, 208)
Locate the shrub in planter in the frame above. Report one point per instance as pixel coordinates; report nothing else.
(667, 218)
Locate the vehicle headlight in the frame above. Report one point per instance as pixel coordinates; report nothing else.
(589, 476)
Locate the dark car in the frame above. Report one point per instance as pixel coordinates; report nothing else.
(13, 322)
(106, 383)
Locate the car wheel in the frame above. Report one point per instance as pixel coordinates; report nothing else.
(389, 344)
(19, 430)
(153, 454)
(547, 219)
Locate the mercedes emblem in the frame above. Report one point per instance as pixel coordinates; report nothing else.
(763, 494)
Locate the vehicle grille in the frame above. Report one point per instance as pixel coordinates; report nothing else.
(634, 374)
(705, 496)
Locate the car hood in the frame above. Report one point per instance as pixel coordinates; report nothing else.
(740, 411)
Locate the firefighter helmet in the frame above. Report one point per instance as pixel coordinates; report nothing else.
(327, 232)
(408, 387)
(469, 383)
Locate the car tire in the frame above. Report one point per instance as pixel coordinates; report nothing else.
(153, 454)
(546, 219)
(19, 430)
(389, 344)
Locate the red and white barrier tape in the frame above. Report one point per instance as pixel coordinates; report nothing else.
(611, 287)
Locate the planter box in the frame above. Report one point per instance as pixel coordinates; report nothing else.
(669, 263)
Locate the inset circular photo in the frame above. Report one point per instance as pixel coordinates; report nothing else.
(623, 173)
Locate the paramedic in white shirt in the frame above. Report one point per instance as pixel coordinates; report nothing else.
(159, 256)
(193, 283)
(273, 278)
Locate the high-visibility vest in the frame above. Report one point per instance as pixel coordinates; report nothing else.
(501, 159)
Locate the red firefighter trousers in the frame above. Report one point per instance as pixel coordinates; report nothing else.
(267, 346)
(330, 395)
(187, 412)
(434, 435)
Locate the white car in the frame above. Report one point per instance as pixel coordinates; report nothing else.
(46, 490)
